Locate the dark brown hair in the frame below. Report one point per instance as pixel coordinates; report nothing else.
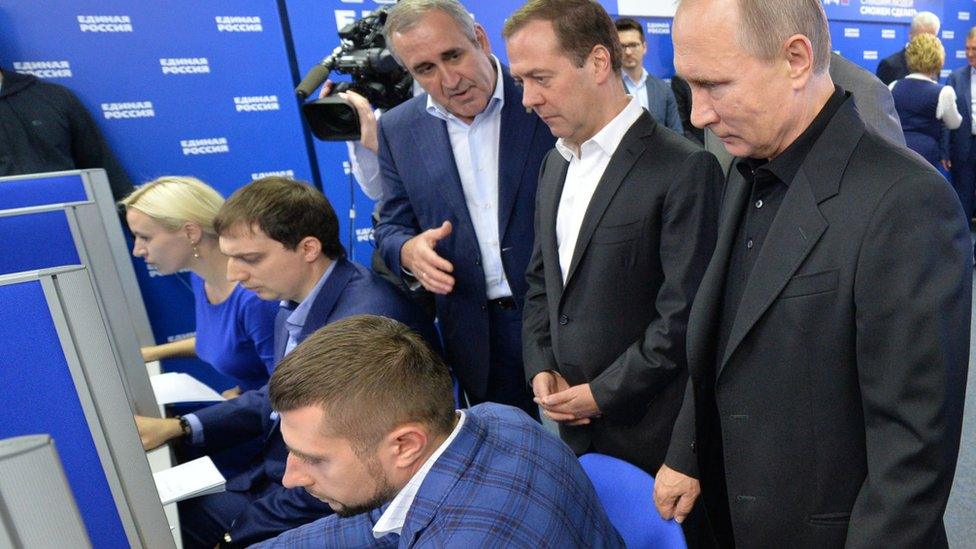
(284, 209)
(579, 26)
(628, 24)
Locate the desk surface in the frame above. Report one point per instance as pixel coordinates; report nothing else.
(161, 459)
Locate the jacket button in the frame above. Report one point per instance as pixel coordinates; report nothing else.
(563, 320)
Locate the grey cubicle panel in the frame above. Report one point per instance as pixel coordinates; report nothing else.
(21, 191)
(59, 376)
(37, 508)
(42, 237)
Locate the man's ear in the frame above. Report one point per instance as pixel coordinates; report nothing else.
(310, 248)
(602, 65)
(798, 55)
(407, 443)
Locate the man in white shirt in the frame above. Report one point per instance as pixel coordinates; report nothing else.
(625, 225)
(368, 418)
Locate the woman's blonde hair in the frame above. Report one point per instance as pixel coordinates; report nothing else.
(925, 54)
(175, 199)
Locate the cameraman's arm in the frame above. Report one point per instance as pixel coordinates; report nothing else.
(362, 154)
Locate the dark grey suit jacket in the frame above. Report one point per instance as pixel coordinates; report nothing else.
(619, 321)
(839, 396)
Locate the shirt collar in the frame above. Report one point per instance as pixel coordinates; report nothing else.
(920, 76)
(495, 102)
(395, 515)
(608, 138)
(640, 81)
(298, 316)
(787, 163)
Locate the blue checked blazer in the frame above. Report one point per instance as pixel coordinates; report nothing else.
(503, 482)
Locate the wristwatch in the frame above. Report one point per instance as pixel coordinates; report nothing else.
(185, 426)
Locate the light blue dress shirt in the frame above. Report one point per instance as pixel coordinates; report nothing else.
(638, 89)
(475, 148)
(293, 324)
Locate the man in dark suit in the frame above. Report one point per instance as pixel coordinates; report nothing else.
(962, 141)
(282, 242)
(829, 340)
(367, 412)
(625, 224)
(459, 166)
(652, 93)
(894, 66)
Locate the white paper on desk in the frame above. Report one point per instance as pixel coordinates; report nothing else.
(191, 479)
(176, 387)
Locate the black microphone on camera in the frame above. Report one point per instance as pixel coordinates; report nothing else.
(317, 74)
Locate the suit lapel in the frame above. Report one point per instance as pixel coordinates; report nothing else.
(518, 129)
(550, 191)
(967, 93)
(799, 224)
(797, 227)
(623, 159)
(705, 311)
(281, 334)
(430, 135)
(449, 468)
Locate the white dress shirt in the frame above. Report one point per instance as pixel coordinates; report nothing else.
(946, 111)
(391, 521)
(638, 89)
(583, 176)
(475, 148)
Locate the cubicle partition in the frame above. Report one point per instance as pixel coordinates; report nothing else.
(59, 376)
(40, 237)
(44, 189)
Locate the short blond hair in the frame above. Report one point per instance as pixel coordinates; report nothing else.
(925, 54)
(172, 200)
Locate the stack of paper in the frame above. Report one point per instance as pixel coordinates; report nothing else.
(176, 387)
(189, 480)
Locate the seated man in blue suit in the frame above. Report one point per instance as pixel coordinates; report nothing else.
(459, 166)
(367, 414)
(653, 94)
(281, 238)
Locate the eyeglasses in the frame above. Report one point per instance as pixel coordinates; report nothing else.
(632, 45)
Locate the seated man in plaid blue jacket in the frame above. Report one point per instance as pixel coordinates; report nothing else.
(367, 414)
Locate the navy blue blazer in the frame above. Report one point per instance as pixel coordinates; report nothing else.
(350, 290)
(422, 189)
(960, 138)
(662, 105)
(502, 482)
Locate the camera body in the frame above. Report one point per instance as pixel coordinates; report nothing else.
(375, 73)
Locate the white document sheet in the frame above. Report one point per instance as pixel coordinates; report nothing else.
(177, 387)
(191, 479)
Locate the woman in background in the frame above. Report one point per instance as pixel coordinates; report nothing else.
(924, 106)
(171, 219)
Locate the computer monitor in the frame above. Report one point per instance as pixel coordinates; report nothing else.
(67, 187)
(58, 375)
(40, 237)
(37, 508)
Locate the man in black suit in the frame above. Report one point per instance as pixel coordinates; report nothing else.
(828, 343)
(894, 66)
(625, 224)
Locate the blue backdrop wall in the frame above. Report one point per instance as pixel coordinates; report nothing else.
(206, 88)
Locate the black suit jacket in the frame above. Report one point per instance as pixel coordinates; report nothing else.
(619, 321)
(893, 67)
(838, 399)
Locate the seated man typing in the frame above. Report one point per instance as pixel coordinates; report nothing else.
(281, 238)
(368, 417)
